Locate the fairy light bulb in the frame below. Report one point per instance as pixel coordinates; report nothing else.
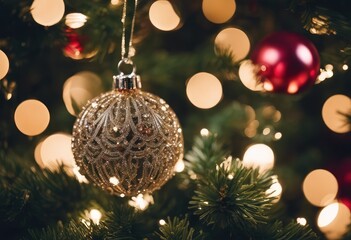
(248, 77)
(335, 111)
(320, 187)
(233, 41)
(275, 190)
(141, 202)
(204, 90)
(47, 13)
(259, 155)
(56, 151)
(75, 20)
(219, 11)
(80, 88)
(180, 165)
(163, 16)
(4, 64)
(32, 117)
(333, 220)
(95, 216)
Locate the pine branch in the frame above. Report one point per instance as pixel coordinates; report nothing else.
(123, 223)
(233, 199)
(178, 229)
(228, 196)
(205, 155)
(277, 231)
(71, 231)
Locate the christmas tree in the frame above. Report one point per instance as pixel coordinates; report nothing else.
(240, 130)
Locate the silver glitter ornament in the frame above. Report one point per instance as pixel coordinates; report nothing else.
(127, 141)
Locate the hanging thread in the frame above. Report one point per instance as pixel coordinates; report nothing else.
(130, 6)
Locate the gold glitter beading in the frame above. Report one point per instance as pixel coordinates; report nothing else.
(127, 142)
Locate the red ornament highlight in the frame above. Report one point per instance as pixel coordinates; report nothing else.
(286, 63)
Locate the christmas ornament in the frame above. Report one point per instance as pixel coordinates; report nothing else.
(76, 46)
(286, 63)
(127, 141)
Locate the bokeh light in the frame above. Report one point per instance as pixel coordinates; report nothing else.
(219, 11)
(335, 111)
(180, 165)
(5, 64)
(56, 151)
(75, 20)
(333, 220)
(32, 117)
(302, 221)
(141, 202)
(248, 77)
(320, 187)
(116, 2)
(95, 216)
(204, 90)
(233, 41)
(47, 13)
(275, 191)
(259, 155)
(163, 16)
(37, 154)
(81, 178)
(204, 132)
(80, 88)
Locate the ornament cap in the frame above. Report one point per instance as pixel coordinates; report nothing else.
(124, 81)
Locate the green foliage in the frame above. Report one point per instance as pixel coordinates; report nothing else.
(205, 155)
(122, 223)
(71, 231)
(177, 229)
(228, 195)
(291, 231)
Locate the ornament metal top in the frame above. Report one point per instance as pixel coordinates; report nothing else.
(127, 141)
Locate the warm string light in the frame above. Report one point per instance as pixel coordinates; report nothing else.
(80, 88)
(302, 221)
(95, 216)
(55, 151)
(180, 165)
(320, 187)
(325, 73)
(32, 117)
(47, 13)
(275, 190)
(141, 202)
(5, 64)
(248, 77)
(219, 11)
(234, 42)
(259, 156)
(204, 90)
(204, 132)
(333, 220)
(335, 112)
(162, 222)
(75, 20)
(163, 16)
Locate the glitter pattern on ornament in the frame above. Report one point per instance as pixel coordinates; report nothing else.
(128, 135)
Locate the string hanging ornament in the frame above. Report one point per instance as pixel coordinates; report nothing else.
(127, 141)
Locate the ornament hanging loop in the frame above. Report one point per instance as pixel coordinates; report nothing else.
(127, 81)
(124, 81)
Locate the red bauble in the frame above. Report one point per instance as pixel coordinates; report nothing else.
(286, 62)
(76, 46)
